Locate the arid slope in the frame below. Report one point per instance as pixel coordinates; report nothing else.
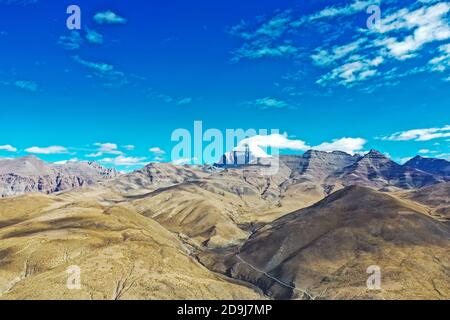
(324, 251)
(121, 254)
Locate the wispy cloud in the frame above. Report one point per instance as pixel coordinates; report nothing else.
(257, 50)
(272, 28)
(402, 35)
(47, 150)
(264, 40)
(274, 37)
(336, 11)
(27, 85)
(372, 58)
(74, 40)
(106, 72)
(71, 42)
(109, 17)
(269, 103)
(419, 134)
(441, 62)
(157, 150)
(96, 66)
(94, 37)
(8, 148)
(355, 70)
(184, 101)
(169, 99)
(325, 57)
(426, 24)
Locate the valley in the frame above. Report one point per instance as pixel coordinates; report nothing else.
(201, 232)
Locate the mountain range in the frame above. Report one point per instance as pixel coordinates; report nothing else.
(205, 232)
(30, 174)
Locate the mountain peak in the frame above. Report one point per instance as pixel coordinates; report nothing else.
(311, 151)
(30, 157)
(376, 153)
(431, 165)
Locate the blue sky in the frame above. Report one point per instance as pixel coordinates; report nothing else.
(115, 90)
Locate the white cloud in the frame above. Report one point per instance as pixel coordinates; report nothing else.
(403, 34)
(109, 17)
(420, 134)
(424, 151)
(348, 145)
(105, 148)
(273, 37)
(124, 161)
(47, 150)
(442, 62)
(129, 147)
(159, 159)
(8, 147)
(355, 70)
(257, 144)
(108, 148)
(157, 150)
(184, 161)
(445, 156)
(64, 162)
(279, 141)
(427, 24)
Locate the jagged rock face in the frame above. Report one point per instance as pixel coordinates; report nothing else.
(251, 180)
(434, 166)
(30, 174)
(376, 170)
(318, 165)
